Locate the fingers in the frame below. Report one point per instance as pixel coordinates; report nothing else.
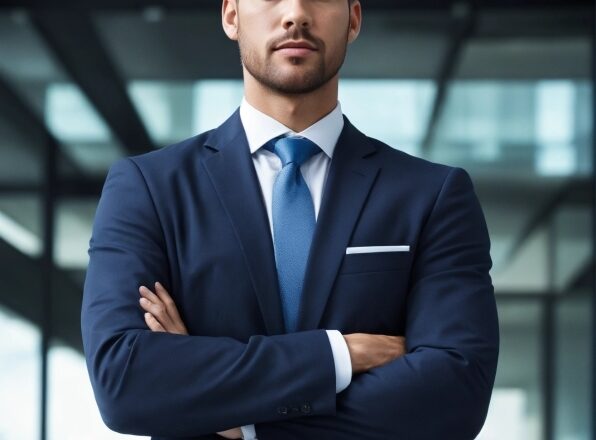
(152, 304)
(162, 308)
(168, 301)
(163, 294)
(153, 324)
(147, 293)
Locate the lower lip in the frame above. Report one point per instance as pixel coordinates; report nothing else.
(295, 51)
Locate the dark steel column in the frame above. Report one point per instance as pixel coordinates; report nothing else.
(548, 364)
(47, 265)
(549, 337)
(593, 409)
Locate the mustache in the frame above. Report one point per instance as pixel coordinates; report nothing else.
(294, 34)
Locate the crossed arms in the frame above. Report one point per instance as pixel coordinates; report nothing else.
(366, 351)
(199, 385)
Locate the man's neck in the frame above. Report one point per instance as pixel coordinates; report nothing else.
(297, 112)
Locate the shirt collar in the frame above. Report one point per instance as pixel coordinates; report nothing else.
(261, 128)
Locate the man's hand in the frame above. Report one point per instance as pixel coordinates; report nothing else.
(162, 316)
(369, 351)
(231, 433)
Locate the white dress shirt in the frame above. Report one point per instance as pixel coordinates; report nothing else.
(261, 128)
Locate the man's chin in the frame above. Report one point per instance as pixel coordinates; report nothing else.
(296, 86)
(289, 79)
(296, 77)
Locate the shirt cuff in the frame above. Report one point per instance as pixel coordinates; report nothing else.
(342, 360)
(248, 432)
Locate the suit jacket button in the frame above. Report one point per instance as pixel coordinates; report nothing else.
(306, 408)
(282, 410)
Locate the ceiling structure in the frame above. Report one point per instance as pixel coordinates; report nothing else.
(96, 52)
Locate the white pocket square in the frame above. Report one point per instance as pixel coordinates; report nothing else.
(372, 249)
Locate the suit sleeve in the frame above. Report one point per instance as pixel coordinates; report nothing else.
(441, 388)
(160, 384)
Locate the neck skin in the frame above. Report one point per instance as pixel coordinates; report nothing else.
(297, 112)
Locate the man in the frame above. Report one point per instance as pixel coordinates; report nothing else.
(293, 256)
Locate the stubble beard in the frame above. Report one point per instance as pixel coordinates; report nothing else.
(307, 81)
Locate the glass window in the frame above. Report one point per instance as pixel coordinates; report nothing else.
(517, 407)
(73, 413)
(516, 127)
(20, 373)
(393, 111)
(574, 364)
(20, 316)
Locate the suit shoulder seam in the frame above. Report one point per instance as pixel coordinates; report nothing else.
(150, 195)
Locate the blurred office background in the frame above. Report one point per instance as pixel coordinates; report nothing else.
(502, 88)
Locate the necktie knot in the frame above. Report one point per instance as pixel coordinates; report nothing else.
(295, 150)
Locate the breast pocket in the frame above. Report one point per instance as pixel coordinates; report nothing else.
(376, 262)
(370, 293)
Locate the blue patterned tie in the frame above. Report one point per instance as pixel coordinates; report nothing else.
(293, 222)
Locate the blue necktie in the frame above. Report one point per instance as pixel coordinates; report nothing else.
(293, 222)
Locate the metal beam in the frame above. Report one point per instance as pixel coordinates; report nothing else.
(72, 37)
(423, 5)
(65, 187)
(542, 295)
(21, 294)
(570, 191)
(47, 271)
(585, 277)
(17, 113)
(548, 341)
(463, 27)
(593, 357)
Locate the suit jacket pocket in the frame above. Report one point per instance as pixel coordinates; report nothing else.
(375, 262)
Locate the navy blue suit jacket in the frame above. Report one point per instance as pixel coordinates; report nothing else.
(192, 216)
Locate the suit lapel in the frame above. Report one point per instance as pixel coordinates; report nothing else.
(233, 175)
(351, 175)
